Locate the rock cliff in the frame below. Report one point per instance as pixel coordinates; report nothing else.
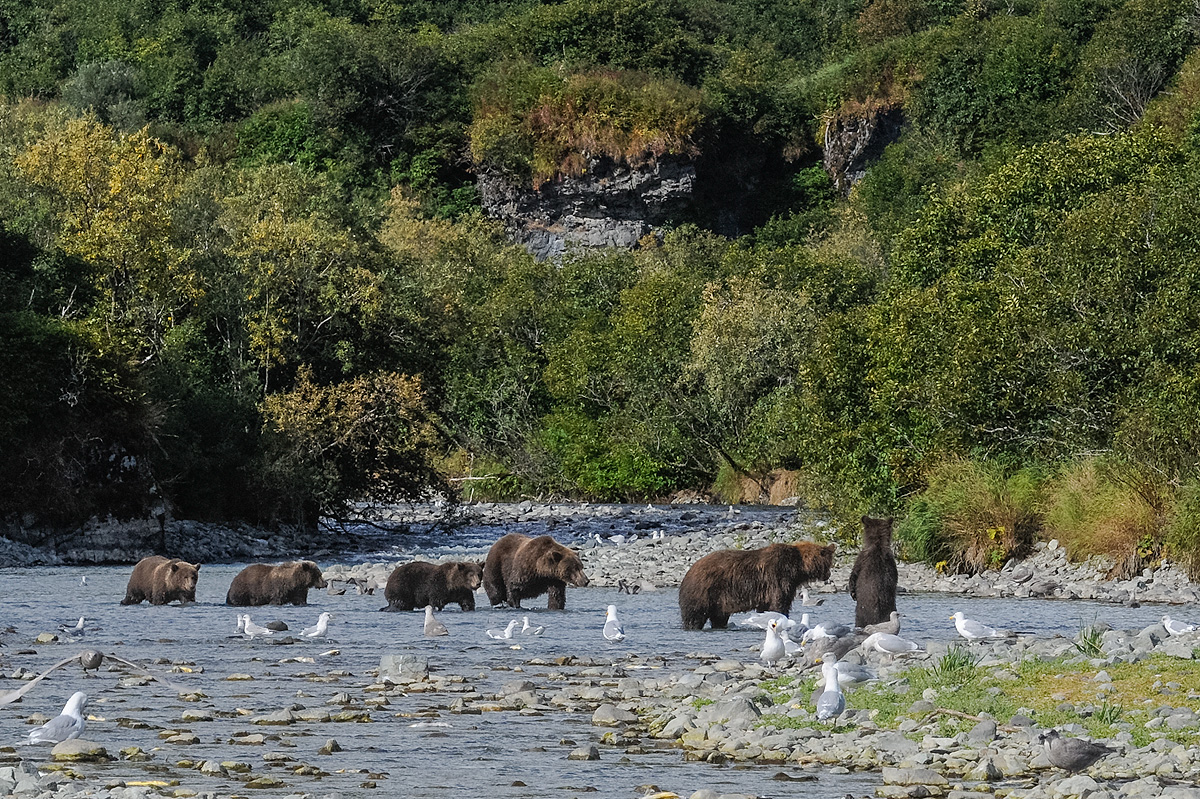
(855, 137)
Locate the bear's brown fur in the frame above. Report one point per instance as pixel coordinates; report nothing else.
(733, 580)
(417, 584)
(162, 580)
(287, 583)
(519, 567)
(873, 578)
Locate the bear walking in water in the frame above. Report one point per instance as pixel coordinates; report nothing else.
(417, 584)
(287, 583)
(162, 580)
(519, 567)
(873, 578)
(732, 580)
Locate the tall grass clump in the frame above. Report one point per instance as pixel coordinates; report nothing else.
(1103, 507)
(1182, 535)
(973, 516)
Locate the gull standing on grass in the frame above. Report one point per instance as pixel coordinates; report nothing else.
(67, 725)
(318, 629)
(506, 633)
(831, 702)
(613, 631)
(1172, 626)
(433, 627)
(973, 630)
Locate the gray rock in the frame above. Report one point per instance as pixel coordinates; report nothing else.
(913, 776)
(585, 753)
(402, 668)
(609, 715)
(982, 733)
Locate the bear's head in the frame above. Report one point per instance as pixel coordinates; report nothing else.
(877, 532)
(552, 559)
(817, 560)
(469, 575)
(310, 574)
(182, 576)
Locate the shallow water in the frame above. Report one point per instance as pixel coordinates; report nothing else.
(476, 753)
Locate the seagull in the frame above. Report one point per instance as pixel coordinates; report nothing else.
(1170, 625)
(76, 630)
(617, 539)
(761, 620)
(529, 629)
(848, 673)
(831, 702)
(1072, 754)
(825, 631)
(67, 725)
(808, 601)
(253, 630)
(83, 580)
(504, 634)
(891, 626)
(973, 630)
(890, 644)
(773, 647)
(613, 630)
(790, 647)
(433, 627)
(318, 629)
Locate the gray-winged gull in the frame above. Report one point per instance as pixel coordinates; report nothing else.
(529, 629)
(67, 725)
(318, 629)
(890, 644)
(891, 626)
(831, 702)
(76, 629)
(1174, 627)
(504, 634)
(1072, 754)
(808, 601)
(433, 627)
(773, 647)
(251, 629)
(973, 630)
(790, 647)
(613, 630)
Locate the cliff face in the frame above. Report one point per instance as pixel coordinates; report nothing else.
(609, 205)
(853, 139)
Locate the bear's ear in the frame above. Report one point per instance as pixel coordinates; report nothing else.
(175, 566)
(831, 548)
(865, 520)
(195, 566)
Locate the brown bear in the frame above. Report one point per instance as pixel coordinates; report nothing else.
(162, 580)
(873, 578)
(417, 584)
(287, 583)
(732, 580)
(519, 567)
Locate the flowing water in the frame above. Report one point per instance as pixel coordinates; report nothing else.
(413, 746)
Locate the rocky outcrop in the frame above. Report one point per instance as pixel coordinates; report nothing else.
(609, 205)
(856, 136)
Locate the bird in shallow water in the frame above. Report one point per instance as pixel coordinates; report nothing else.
(1072, 754)
(973, 630)
(74, 630)
(613, 630)
(504, 634)
(433, 627)
(891, 626)
(808, 601)
(67, 725)
(832, 701)
(251, 629)
(319, 629)
(529, 629)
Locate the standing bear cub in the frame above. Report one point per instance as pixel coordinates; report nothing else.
(417, 584)
(162, 580)
(733, 580)
(873, 578)
(285, 584)
(519, 567)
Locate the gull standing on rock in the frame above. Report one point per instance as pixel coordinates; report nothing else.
(973, 630)
(253, 630)
(773, 647)
(831, 702)
(67, 725)
(613, 630)
(891, 626)
(1170, 625)
(529, 629)
(318, 629)
(1072, 754)
(433, 627)
(504, 634)
(890, 644)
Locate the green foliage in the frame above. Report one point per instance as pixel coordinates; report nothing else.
(1183, 529)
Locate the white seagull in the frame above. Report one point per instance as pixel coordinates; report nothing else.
(973, 630)
(76, 630)
(831, 702)
(773, 647)
(890, 644)
(1177, 627)
(613, 630)
(504, 634)
(67, 725)
(433, 627)
(529, 629)
(253, 630)
(790, 647)
(808, 601)
(318, 629)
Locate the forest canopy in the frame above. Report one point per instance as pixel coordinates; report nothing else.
(246, 267)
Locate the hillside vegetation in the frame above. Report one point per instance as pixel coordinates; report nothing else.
(245, 271)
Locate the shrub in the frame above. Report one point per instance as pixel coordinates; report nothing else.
(973, 516)
(1103, 507)
(1182, 535)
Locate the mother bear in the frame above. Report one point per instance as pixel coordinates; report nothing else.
(519, 567)
(733, 580)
